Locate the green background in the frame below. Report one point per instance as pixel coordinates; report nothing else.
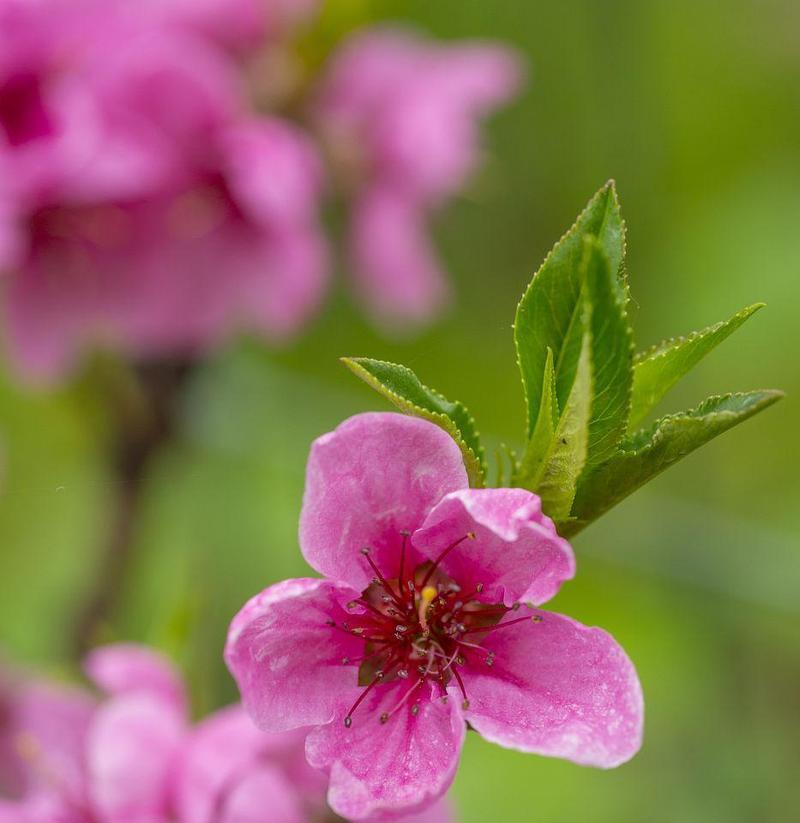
(694, 109)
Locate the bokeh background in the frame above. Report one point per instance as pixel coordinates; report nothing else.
(693, 106)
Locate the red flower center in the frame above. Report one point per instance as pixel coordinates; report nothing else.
(420, 627)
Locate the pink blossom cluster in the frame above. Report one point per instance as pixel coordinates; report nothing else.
(128, 754)
(145, 203)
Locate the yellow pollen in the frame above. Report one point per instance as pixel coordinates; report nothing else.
(426, 597)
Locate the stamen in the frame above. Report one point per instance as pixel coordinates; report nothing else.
(432, 569)
(379, 675)
(534, 619)
(380, 578)
(405, 535)
(465, 703)
(403, 700)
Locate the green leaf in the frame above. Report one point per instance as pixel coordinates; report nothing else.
(530, 470)
(547, 311)
(648, 452)
(567, 455)
(659, 368)
(403, 388)
(601, 313)
(612, 356)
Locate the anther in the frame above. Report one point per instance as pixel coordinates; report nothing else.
(403, 673)
(384, 717)
(345, 661)
(461, 660)
(516, 606)
(352, 604)
(465, 705)
(537, 618)
(365, 551)
(348, 722)
(415, 709)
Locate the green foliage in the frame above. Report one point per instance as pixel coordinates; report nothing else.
(548, 311)
(585, 391)
(648, 452)
(403, 388)
(659, 368)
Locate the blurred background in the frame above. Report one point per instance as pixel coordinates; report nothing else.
(694, 109)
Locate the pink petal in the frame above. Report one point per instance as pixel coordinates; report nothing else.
(374, 476)
(556, 688)
(131, 753)
(398, 767)
(54, 722)
(287, 660)
(224, 749)
(11, 812)
(264, 788)
(274, 171)
(395, 268)
(517, 554)
(439, 812)
(126, 668)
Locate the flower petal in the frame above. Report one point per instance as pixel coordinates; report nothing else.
(263, 785)
(557, 688)
(224, 749)
(130, 753)
(439, 812)
(125, 668)
(51, 722)
(516, 555)
(394, 768)
(374, 476)
(395, 268)
(287, 660)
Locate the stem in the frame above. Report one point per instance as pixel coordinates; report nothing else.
(144, 411)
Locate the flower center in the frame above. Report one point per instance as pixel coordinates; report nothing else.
(421, 627)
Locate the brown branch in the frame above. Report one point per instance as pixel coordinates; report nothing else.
(144, 414)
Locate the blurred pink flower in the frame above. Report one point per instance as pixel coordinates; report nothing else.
(403, 114)
(241, 25)
(142, 205)
(425, 621)
(131, 757)
(75, 759)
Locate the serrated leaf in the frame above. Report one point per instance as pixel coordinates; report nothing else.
(648, 452)
(612, 356)
(530, 470)
(403, 388)
(566, 458)
(547, 310)
(659, 368)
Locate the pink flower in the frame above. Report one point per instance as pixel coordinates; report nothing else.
(143, 207)
(133, 758)
(78, 760)
(426, 620)
(404, 112)
(228, 766)
(242, 25)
